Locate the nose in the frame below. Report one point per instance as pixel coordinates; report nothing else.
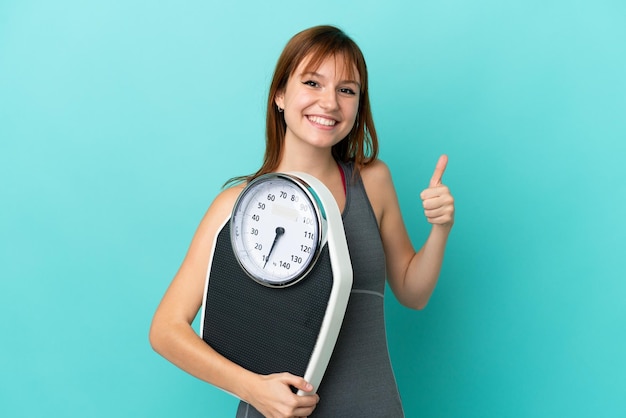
(328, 100)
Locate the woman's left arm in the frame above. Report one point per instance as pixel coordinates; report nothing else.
(412, 275)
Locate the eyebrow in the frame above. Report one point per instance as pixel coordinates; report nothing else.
(313, 73)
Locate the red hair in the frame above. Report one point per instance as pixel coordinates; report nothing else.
(316, 44)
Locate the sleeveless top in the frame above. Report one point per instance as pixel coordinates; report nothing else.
(359, 380)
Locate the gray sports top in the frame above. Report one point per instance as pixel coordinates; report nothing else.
(359, 380)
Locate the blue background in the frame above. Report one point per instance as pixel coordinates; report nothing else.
(120, 121)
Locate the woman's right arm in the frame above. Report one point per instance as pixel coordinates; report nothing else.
(172, 336)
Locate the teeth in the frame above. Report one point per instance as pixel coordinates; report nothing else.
(322, 121)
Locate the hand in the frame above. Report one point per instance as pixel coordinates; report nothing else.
(274, 398)
(437, 201)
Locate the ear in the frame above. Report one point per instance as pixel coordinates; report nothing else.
(279, 99)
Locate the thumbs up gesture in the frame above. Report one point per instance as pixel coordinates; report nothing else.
(437, 201)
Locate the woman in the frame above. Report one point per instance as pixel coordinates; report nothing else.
(319, 122)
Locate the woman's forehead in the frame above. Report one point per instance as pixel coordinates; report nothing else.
(345, 68)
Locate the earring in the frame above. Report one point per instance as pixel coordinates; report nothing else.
(280, 109)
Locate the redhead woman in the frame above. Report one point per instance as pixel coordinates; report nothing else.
(319, 122)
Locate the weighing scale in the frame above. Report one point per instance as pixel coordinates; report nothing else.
(279, 278)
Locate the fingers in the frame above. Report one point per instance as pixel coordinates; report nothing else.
(434, 192)
(440, 168)
(439, 209)
(437, 201)
(275, 397)
(305, 403)
(297, 382)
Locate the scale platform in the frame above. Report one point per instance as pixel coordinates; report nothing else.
(271, 330)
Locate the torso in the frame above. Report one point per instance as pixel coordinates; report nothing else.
(359, 380)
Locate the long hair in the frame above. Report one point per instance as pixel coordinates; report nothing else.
(316, 44)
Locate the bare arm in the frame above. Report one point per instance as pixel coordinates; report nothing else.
(412, 275)
(172, 336)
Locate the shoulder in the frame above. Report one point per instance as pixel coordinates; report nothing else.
(228, 196)
(376, 175)
(221, 208)
(225, 200)
(378, 187)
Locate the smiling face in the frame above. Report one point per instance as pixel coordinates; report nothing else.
(320, 104)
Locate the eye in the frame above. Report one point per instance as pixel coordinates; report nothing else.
(347, 90)
(311, 83)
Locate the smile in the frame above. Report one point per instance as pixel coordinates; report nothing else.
(322, 121)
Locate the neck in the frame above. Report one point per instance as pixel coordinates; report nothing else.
(315, 167)
(317, 162)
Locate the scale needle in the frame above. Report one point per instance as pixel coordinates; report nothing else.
(279, 232)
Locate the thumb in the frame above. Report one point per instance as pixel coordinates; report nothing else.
(439, 169)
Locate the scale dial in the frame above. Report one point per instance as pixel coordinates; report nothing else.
(277, 228)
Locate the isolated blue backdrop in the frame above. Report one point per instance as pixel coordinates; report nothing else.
(120, 121)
